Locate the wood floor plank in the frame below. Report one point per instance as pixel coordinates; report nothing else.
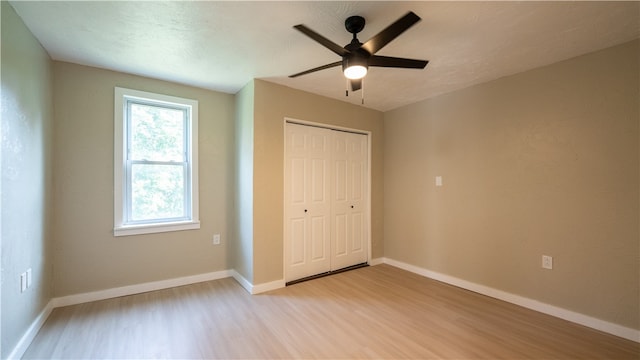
(374, 312)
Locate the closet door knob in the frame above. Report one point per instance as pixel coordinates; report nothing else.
(305, 210)
(352, 206)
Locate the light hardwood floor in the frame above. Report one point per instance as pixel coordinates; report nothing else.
(373, 312)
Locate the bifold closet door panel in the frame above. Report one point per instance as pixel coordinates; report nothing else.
(307, 201)
(349, 244)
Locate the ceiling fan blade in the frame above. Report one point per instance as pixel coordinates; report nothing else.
(391, 32)
(322, 40)
(333, 64)
(387, 61)
(356, 84)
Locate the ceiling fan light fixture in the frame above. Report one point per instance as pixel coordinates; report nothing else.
(354, 66)
(355, 72)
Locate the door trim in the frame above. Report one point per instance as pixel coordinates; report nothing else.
(288, 120)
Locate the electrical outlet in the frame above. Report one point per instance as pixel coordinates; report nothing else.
(547, 262)
(216, 239)
(438, 180)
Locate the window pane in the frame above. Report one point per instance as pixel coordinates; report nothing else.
(157, 192)
(157, 133)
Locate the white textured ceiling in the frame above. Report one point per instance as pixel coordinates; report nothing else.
(222, 45)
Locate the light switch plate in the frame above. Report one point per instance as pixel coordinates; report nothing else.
(23, 282)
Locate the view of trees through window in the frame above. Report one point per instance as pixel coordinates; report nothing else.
(158, 164)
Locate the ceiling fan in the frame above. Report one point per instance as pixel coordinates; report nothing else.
(357, 57)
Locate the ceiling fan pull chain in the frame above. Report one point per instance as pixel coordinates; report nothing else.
(362, 90)
(346, 90)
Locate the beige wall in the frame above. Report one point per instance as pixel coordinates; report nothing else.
(242, 244)
(272, 104)
(87, 256)
(27, 120)
(542, 162)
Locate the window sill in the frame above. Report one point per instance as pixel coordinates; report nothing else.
(155, 228)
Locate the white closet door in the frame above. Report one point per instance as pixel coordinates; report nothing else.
(307, 201)
(349, 244)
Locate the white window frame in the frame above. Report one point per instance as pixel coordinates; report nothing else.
(121, 227)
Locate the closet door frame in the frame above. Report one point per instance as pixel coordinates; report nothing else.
(288, 120)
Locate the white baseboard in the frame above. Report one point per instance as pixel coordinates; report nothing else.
(32, 331)
(30, 334)
(578, 318)
(138, 288)
(376, 261)
(256, 289)
(264, 287)
(246, 284)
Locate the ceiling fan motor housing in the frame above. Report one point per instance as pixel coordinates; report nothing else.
(357, 57)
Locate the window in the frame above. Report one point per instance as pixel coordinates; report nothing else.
(155, 163)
